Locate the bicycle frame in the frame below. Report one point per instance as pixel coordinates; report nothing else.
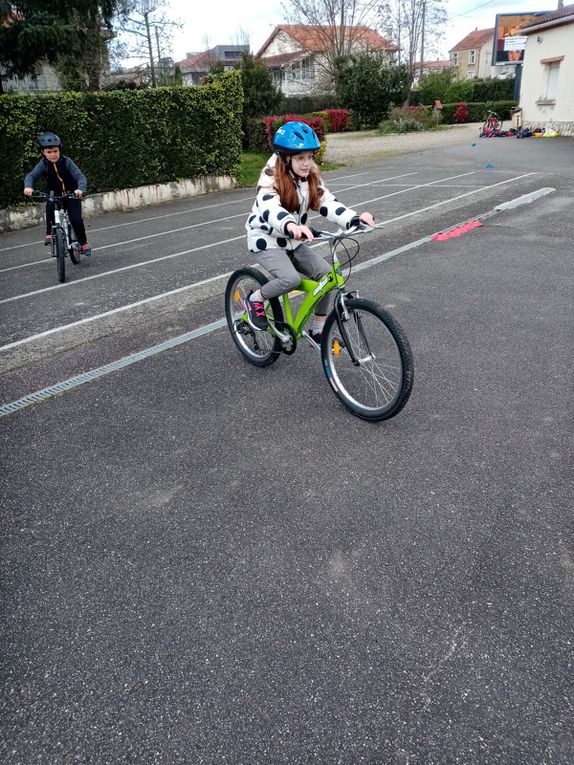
(313, 291)
(61, 220)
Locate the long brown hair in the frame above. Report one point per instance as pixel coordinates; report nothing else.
(287, 189)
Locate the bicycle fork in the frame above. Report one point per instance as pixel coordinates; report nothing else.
(343, 316)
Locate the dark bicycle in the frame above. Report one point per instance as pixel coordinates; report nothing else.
(64, 240)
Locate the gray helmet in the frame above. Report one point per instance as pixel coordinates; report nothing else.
(49, 140)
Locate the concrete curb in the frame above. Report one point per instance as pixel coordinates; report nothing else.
(125, 199)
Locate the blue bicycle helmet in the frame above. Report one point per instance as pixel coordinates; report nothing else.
(49, 140)
(295, 137)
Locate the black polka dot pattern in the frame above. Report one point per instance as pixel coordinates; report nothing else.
(266, 222)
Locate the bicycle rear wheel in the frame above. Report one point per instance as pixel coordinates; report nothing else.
(59, 243)
(379, 386)
(259, 347)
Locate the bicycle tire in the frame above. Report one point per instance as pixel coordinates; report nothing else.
(258, 347)
(59, 241)
(379, 387)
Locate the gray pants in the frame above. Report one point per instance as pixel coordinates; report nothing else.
(287, 268)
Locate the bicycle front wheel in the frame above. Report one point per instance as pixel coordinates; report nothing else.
(379, 385)
(60, 253)
(259, 347)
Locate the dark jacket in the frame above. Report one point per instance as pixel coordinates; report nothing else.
(61, 176)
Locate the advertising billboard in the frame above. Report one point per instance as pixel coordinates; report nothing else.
(509, 44)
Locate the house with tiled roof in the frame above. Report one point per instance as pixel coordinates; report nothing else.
(300, 56)
(429, 67)
(472, 57)
(546, 92)
(197, 65)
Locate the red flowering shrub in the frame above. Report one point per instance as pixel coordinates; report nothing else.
(338, 120)
(262, 129)
(461, 113)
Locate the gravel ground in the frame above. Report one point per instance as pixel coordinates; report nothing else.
(354, 148)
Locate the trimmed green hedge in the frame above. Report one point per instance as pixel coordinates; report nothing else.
(124, 139)
(477, 111)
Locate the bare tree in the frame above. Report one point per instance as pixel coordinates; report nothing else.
(146, 31)
(416, 27)
(340, 28)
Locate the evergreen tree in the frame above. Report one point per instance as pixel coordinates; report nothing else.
(51, 30)
(370, 88)
(260, 94)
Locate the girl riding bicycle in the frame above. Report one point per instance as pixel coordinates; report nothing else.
(62, 175)
(289, 186)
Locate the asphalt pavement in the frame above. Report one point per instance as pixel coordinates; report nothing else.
(206, 562)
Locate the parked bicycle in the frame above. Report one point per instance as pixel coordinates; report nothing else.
(64, 241)
(365, 353)
(492, 125)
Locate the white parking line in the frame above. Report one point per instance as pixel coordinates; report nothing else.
(215, 244)
(74, 382)
(236, 238)
(95, 317)
(248, 196)
(170, 231)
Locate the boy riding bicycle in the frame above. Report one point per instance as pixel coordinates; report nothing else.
(62, 176)
(289, 186)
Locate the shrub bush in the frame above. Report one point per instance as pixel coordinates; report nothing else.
(476, 111)
(502, 108)
(338, 120)
(262, 130)
(124, 139)
(307, 104)
(400, 125)
(460, 91)
(461, 113)
(421, 114)
(444, 88)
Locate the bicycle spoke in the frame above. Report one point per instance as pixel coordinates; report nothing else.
(378, 385)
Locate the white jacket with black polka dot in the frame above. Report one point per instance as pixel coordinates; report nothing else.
(266, 223)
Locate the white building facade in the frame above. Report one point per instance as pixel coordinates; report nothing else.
(547, 92)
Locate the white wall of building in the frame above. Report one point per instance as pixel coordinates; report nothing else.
(547, 93)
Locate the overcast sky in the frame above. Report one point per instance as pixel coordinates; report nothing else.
(221, 22)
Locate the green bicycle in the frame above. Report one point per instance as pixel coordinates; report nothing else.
(365, 353)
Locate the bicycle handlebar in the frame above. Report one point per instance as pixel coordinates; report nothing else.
(359, 228)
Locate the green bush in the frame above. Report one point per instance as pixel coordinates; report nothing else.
(477, 111)
(307, 104)
(370, 87)
(124, 139)
(400, 125)
(461, 91)
(502, 108)
(422, 114)
(433, 87)
(492, 89)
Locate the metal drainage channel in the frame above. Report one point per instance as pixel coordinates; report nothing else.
(74, 382)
